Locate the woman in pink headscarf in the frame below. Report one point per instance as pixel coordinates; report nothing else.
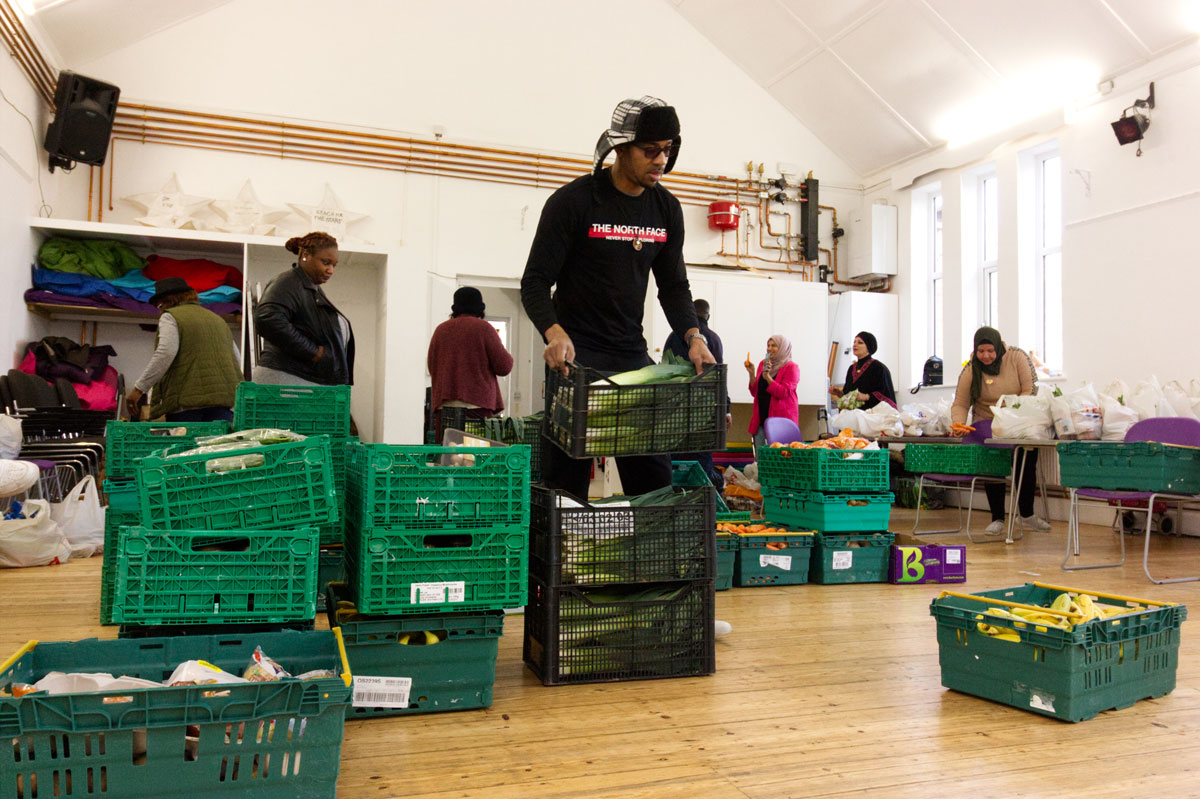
(773, 386)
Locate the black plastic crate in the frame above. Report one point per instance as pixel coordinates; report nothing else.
(573, 542)
(610, 634)
(587, 415)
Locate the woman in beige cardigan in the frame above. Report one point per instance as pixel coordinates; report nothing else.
(995, 370)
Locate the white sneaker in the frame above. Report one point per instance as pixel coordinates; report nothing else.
(722, 628)
(1034, 523)
(995, 528)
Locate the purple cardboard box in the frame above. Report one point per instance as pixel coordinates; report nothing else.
(927, 563)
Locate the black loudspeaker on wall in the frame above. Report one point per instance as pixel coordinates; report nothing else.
(83, 121)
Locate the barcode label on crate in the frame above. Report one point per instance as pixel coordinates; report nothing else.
(953, 556)
(437, 593)
(381, 691)
(843, 559)
(778, 561)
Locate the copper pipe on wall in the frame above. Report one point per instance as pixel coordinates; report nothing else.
(26, 53)
(91, 177)
(112, 172)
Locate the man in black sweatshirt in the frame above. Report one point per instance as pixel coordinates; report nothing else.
(599, 238)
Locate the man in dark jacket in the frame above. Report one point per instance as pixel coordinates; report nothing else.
(675, 344)
(599, 238)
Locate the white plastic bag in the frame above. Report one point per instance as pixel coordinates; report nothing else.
(917, 417)
(1025, 416)
(1118, 418)
(1148, 400)
(10, 437)
(33, 541)
(1077, 415)
(1176, 396)
(81, 518)
(1118, 390)
(882, 420)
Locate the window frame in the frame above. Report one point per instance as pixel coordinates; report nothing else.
(1042, 251)
(935, 231)
(989, 268)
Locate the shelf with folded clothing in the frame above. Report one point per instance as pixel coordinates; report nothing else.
(84, 313)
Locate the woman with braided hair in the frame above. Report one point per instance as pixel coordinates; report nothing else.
(306, 340)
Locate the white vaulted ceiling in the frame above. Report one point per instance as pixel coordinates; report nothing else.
(876, 80)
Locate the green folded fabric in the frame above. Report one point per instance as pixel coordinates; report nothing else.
(102, 258)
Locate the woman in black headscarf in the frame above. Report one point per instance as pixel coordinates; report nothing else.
(870, 378)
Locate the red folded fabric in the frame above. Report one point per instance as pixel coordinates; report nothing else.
(200, 273)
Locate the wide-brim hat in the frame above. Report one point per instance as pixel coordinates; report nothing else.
(168, 286)
(646, 119)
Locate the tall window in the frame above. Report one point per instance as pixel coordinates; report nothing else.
(989, 223)
(937, 281)
(1049, 227)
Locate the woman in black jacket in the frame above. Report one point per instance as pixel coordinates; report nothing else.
(306, 340)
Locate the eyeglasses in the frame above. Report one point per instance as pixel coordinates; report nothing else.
(652, 151)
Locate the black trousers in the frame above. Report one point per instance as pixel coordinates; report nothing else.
(1027, 463)
(640, 474)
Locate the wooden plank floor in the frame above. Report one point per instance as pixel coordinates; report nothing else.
(819, 691)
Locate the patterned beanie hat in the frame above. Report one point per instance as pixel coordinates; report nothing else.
(647, 119)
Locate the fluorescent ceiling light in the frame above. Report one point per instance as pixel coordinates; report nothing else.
(1015, 101)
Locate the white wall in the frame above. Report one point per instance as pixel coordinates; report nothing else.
(1129, 266)
(541, 74)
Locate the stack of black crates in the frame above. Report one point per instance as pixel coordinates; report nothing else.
(842, 495)
(624, 591)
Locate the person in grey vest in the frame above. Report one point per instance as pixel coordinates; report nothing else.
(193, 374)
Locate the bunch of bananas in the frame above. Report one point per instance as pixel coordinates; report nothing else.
(1067, 610)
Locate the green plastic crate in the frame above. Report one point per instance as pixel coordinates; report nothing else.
(842, 471)
(455, 672)
(735, 516)
(1133, 466)
(333, 534)
(773, 558)
(255, 740)
(308, 410)
(958, 459)
(851, 558)
(174, 578)
(828, 513)
(1068, 674)
(513, 430)
(402, 486)
(690, 474)
(122, 496)
(293, 488)
(727, 553)
(113, 522)
(331, 568)
(393, 570)
(126, 443)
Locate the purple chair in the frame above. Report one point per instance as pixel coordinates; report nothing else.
(982, 432)
(1166, 430)
(781, 431)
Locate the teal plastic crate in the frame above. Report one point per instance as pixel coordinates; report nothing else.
(773, 558)
(292, 488)
(122, 496)
(113, 522)
(727, 553)
(1068, 674)
(735, 516)
(308, 410)
(394, 570)
(842, 471)
(178, 577)
(1133, 466)
(333, 534)
(126, 443)
(690, 474)
(417, 488)
(255, 740)
(828, 513)
(958, 459)
(851, 558)
(448, 659)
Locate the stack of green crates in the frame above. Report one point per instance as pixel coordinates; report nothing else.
(125, 444)
(513, 430)
(840, 493)
(437, 546)
(211, 545)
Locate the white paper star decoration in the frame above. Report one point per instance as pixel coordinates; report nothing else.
(169, 207)
(328, 216)
(245, 214)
